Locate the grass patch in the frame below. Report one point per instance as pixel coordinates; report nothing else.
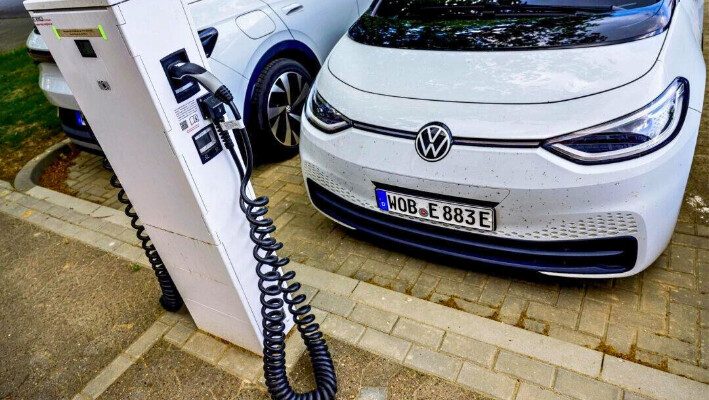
(28, 122)
(24, 111)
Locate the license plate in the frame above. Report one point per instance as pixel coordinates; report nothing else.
(437, 210)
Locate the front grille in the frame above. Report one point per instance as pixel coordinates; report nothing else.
(589, 256)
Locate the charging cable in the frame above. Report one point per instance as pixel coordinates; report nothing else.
(170, 298)
(275, 290)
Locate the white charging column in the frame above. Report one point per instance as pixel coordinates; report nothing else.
(110, 52)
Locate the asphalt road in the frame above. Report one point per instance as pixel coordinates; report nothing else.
(15, 25)
(12, 9)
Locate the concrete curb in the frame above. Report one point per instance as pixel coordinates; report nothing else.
(113, 371)
(26, 181)
(499, 360)
(27, 177)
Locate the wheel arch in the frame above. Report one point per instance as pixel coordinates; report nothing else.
(291, 49)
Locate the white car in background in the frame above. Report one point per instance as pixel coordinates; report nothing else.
(548, 135)
(266, 51)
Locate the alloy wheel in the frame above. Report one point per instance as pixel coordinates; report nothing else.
(285, 105)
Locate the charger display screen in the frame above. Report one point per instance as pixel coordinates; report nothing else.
(204, 140)
(207, 144)
(85, 48)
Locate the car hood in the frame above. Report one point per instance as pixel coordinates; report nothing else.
(493, 77)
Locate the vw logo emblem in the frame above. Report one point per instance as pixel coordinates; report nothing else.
(433, 141)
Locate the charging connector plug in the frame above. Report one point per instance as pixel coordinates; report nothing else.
(212, 108)
(182, 71)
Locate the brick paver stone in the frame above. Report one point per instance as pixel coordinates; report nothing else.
(385, 345)
(179, 334)
(525, 368)
(106, 377)
(377, 319)
(668, 346)
(486, 381)
(241, 363)
(342, 329)
(584, 388)
(147, 340)
(418, 333)
(333, 303)
(205, 347)
(432, 362)
(472, 350)
(531, 392)
(651, 382)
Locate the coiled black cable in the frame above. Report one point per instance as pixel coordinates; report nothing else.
(170, 298)
(275, 290)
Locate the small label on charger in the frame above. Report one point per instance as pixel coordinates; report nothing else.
(188, 116)
(75, 33)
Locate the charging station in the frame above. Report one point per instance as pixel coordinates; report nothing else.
(114, 55)
(140, 75)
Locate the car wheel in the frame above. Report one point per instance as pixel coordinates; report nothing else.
(279, 97)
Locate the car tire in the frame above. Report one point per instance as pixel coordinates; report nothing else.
(279, 95)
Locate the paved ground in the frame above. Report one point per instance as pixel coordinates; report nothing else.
(89, 181)
(362, 373)
(659, 318)
(166, 372)
(472, 352)
(67, 310)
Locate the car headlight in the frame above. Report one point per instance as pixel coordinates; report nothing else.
(324, 116)
(636, 134)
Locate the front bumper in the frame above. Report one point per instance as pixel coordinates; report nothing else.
(591, 256)
(58, 93)
(55, 88)
(622, 215)
(75, 126)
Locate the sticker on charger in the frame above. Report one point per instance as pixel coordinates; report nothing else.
(233, 124)
(190, 123)
(80, 32)
(188, 116)
(42, 21)
(87, 32)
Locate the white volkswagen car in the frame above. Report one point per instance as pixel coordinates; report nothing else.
(549, 135)
(266, 51)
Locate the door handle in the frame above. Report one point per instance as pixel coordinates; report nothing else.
(291, 8)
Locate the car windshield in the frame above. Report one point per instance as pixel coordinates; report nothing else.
(508, 24)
